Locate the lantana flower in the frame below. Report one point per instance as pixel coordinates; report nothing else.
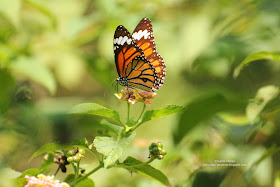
(44, 181)
(133, 96)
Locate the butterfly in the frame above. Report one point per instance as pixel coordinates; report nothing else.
(137, 62)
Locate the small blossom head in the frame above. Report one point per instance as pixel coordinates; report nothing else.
(134, 96)
(42, 180)
(156, 150)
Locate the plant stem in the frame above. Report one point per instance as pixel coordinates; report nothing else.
(86, 175)
(137, 122)
(143, 109)
(150, 160)
(128, 110)
(77, 171)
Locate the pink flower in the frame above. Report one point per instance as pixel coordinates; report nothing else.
(44, 181)
(134, 96)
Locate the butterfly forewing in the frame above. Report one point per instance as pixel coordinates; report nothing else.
(143, 35)
(125, 49)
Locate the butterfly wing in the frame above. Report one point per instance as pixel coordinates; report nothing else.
(143, 35)
(125, 49)
(141, 74)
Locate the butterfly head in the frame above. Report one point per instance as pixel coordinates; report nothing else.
(122, 81)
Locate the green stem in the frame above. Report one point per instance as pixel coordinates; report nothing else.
(150, 160)
(143, 109)
(137, 122)
(128, 110)
(77, 171)
(88, 174)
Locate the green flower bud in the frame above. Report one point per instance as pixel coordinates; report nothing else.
(163, 152)
(155, 151)
(70, 159)
(76, 158)
(70, 152)
(159, 144)
(82, 151)
(152, 146)
(160, 157)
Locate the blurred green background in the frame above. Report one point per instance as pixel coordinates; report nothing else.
(56, 54)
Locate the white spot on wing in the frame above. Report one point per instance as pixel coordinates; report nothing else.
(119, 40)
(123, 40)
(139, 35)
(145, 34)
(128, 41)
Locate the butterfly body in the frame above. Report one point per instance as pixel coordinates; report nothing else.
(137, 62)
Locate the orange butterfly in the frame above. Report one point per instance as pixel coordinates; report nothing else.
(138, 64)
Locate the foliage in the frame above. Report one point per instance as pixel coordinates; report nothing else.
(222, 89)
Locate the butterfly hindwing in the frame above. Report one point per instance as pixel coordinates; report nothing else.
(125, 49)
(140, 73)
(143, 35)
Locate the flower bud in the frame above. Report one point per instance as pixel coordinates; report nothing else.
(159, 144)
(76, 158)
(163, 152)
(70, 152)
(82, 151)
(160, 157)
(70, 159)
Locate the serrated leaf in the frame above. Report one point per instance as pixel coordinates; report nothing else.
(273, 56)
(82, 143)
(157, 113)
(202, 108)
(112, 149)
(95, 109)
(142, 168)
(41, 75)
(263, 96)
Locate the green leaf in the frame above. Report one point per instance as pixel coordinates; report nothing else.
(31, 172)
(157, 113)
(47, 161)
(263, 96)
(21, 180)
(107, 125)
(7, 88)
(202, 109)
(95, 109)
(272, 56)
(112, 149)
(87, 182)
(36, 71)
(82, 143)
(142, 168)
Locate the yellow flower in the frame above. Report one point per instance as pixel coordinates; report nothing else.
(134, 96)
(44, 181)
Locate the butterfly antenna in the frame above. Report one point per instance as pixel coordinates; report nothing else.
(108, 87)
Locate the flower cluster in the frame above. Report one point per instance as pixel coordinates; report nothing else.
(44, 181)
(133, 96)
(75, 155)
(156, 150)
